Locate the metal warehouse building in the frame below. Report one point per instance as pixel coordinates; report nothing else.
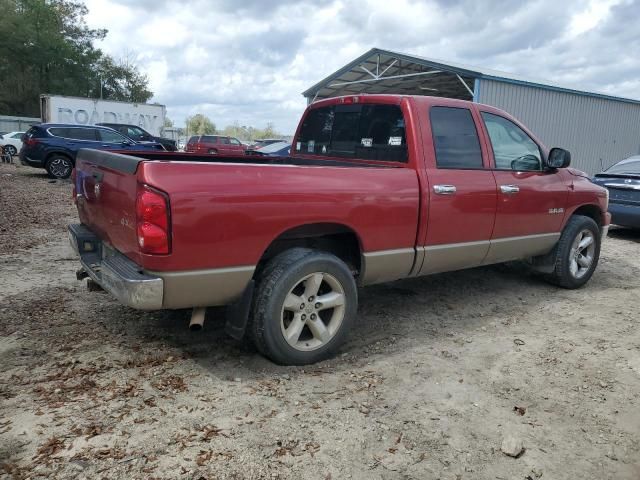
(597, 129)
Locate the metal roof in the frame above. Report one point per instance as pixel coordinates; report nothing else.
(387, 71)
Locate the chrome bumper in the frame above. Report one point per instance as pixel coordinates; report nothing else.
(114, 272)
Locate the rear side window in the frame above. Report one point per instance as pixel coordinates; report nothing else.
(209, 139)
(224, 140)
(193, 140)
(455, 138)
(372, 132)
(74, 133)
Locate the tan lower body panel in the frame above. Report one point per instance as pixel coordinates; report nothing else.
(514, 248)
(387, 265)
(203, 288)
(456, 256)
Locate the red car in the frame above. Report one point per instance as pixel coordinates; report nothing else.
(215, 145)
(377, 188)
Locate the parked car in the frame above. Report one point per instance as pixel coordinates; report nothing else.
(12, 142)
(623, 182)
(54, 146)
(377, 188)
(264, 142)
(278, 149)
(215, 145)
(140, 135)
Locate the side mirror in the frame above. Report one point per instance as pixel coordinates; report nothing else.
(559, 158)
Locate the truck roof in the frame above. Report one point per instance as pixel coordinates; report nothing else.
(386, 98)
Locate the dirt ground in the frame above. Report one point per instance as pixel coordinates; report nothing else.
(437, 373)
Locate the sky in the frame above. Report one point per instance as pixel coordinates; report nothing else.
(248, 61)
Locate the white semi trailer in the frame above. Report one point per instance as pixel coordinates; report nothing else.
(89, 111)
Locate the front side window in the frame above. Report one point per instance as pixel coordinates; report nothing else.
(111, 137)
(135, 133)
(455, 138)
(513, 149)
(234, 141)
(365, 131)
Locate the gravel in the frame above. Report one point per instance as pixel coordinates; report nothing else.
(425, 387)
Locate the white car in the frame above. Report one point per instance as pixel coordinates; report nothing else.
(12, 142)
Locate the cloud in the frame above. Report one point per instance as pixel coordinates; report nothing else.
(249, 61)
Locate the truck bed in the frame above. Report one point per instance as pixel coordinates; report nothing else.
(226, 211)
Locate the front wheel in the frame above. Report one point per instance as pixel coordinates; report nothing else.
(577, 253)
(304, 306)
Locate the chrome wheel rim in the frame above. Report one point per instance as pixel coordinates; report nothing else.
(313, 312)
(59, 167)
(582, 253)
(10, 149)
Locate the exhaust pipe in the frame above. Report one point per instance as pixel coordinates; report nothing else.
(197, 318)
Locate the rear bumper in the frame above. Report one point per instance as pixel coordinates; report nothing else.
(30, 162)
(625, 215)
(144, 290)
(114, 272)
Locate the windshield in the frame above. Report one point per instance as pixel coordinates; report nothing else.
(274, 147)
(628, 166)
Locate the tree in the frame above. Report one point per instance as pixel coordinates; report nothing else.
(268, 132)
(250, 133)
(119, 80)
(200, 124)
(47, 47)
(168, 123)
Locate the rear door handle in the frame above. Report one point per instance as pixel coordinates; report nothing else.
(509, 189)
(444, 189)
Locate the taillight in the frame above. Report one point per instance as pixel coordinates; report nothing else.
(30, 142)
(152, 218)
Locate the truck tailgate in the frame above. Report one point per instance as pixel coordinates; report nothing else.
(106, 188)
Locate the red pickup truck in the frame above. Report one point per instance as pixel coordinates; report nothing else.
(377, 188)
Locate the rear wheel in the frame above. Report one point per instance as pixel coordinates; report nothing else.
(304, 306)
(10, 149)
(59, 166)
(212, 151)
(577, 253)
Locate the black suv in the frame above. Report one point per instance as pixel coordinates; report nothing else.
(139, 134)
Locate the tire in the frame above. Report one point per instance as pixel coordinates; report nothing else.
(281, 307)
(59, 166)
(574, 265)
(212, 151)
(11, 150)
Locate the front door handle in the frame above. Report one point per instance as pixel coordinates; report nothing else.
(509, 189)
(444, 189)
